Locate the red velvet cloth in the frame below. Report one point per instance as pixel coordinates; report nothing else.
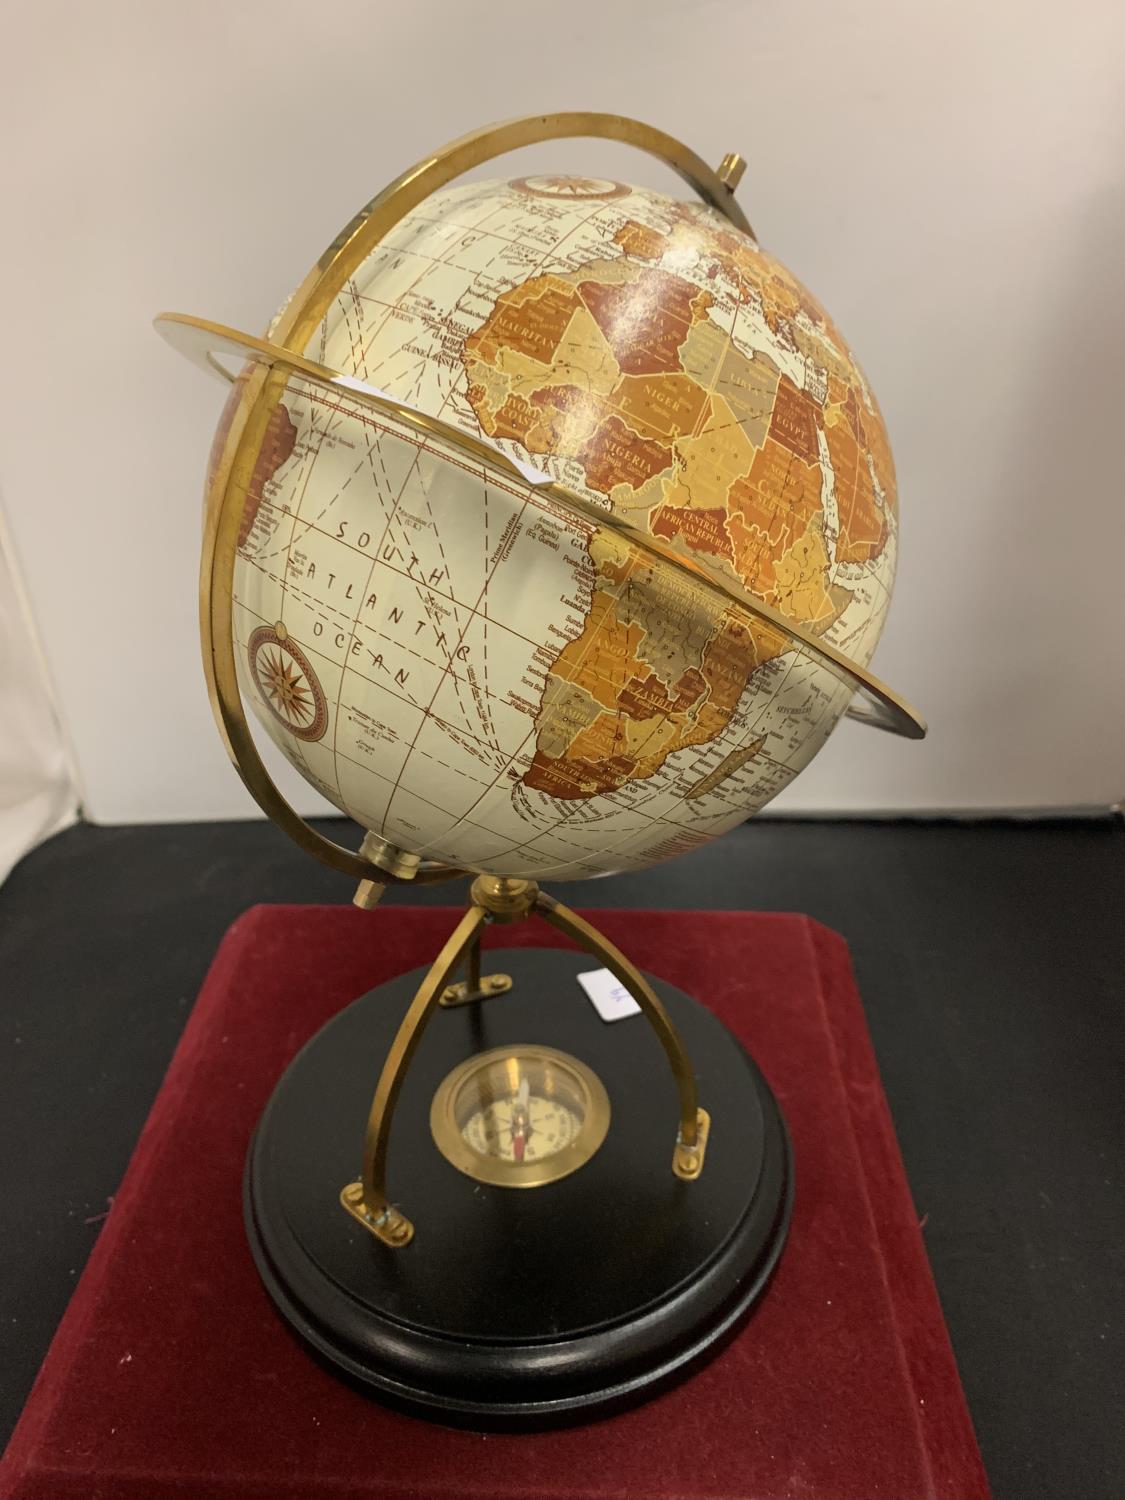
(172, 1374)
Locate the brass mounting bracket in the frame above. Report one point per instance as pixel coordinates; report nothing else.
(391, 1226)
(688, 1160)
(468, 991)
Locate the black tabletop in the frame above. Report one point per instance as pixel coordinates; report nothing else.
(990, 959)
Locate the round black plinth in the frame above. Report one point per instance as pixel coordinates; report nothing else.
(519, 1307)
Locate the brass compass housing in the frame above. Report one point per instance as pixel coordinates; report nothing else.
(519, 1116)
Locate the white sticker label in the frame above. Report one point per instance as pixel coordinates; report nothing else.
(609, 997)
(531, 474)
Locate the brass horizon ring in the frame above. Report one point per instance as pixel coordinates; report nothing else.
(200, 340)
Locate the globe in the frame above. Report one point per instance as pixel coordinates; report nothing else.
(548, 533)
(538, 666)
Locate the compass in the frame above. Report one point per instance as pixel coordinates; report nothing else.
(287, 682)
(520, 1116)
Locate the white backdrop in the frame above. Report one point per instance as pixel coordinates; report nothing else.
(949, 180)
(38, 795)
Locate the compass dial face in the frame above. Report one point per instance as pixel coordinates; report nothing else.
(499, 1130)
(289, 686)
(520, 1116)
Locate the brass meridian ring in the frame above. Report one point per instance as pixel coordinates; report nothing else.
(278, 358)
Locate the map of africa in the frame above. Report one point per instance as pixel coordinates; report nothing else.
(487, 677)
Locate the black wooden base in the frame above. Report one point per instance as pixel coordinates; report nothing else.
(519, 1307)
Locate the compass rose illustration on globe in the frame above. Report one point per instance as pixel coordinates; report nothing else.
(551, 528)
(287, 683)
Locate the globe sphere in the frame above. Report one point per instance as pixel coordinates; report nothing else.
(487, 677)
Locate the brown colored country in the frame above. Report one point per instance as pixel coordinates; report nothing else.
(666, 406)
(614, 454)
(640, 241)
(595, 763)
(771, 507)
(531, 320)
(768, 510)
(861, 434)
(514, 420)
(702, 529)
(645, 320)
(611, 453)
(863, 524)
(609, 655)
(794, 421)
(276, 450)
(645, 697)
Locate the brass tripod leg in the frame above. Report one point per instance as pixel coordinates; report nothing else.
(695, 1123)
(495, 898)
(366, 1200)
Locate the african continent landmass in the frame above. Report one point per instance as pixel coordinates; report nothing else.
(619, 366)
